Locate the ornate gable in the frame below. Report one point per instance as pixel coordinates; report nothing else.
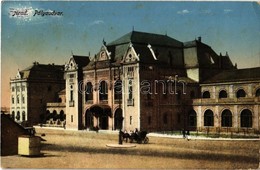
(104, 54)
(72, 65)
(131, 55)
(18, 75)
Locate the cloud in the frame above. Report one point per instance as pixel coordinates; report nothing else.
(227, 11)
(207, 11)
(97, 22)
(184, 11)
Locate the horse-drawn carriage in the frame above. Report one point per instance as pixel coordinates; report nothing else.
(139, 137)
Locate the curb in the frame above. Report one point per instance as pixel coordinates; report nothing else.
(201, 138)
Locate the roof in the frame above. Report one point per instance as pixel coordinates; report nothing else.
(236, 75)
(146, 38)
(194, 43)
(6, 118)
(37, 71)
(81, 61)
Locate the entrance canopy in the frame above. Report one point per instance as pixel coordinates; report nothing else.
(99, 110)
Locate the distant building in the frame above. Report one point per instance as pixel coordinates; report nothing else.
(56, 111)
(32, 88)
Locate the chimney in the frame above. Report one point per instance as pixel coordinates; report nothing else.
(199, 39)
(226, 53)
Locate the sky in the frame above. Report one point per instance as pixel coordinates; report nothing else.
(225, 26)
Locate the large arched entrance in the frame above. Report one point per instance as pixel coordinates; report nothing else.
(118, 119)
(88, 119)
(101, 113)
(192, 119)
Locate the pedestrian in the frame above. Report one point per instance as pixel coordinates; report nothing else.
(188, 134)
(183, 133)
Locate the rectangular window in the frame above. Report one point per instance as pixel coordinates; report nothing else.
(23, 88)
(131, 119)
(18, 99)
(130, 89)
(18, 89)
(71, 75)
(130, 71)
(12, 99)
(23, 100)
(71, 95)
(12, 89)
(71, 118)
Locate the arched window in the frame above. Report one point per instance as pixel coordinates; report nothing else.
(23, 116)
(165, 118)
(192, 118)
(18, 99)
(89, 92)
(18, 116)
(103, 90)
(226, 118)
(62, 116)
(208, 118)
(206, 94)
(246, 118)
(12, 99)
(118, 90)
(241, 93)
(222, 94)
(55, 115)
(257, 93)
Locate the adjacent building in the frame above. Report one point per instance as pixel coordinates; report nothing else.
(230, 101)
(32, 88)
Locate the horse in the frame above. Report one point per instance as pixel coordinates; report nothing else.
(124, 135)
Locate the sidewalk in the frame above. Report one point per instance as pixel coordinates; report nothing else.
(190, 137)
(201, 137)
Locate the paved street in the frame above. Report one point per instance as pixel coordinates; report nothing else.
(82, 149)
